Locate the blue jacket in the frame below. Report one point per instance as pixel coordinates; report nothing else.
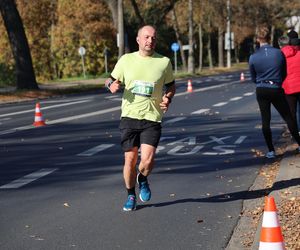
(267, 67)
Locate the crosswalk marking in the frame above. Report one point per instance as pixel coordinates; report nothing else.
(28, 178)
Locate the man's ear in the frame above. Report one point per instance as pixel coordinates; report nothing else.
(137, 39)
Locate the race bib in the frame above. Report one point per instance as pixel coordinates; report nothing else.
(143, 88)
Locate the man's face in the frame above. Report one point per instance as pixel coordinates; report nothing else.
(146, 40)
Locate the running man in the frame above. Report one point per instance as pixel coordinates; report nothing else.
(149, 88)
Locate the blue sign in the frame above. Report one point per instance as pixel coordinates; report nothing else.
(175, 47)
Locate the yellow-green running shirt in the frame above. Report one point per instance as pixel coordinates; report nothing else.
(144, 79)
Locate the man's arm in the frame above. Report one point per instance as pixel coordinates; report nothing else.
(167, 97)
(112, 84)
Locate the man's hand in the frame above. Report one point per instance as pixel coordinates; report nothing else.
(164, 105)
(113, 86)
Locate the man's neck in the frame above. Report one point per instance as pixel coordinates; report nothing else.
(263, 44)
(145, 53)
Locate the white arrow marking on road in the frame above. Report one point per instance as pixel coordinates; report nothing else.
(177, 119)
(49, 107)
(96, 150)
(28, 178)
(220, 104)
(200, 111)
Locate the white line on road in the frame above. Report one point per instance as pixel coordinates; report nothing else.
(248, 93)
(96, 150)
(44, 108)
(176, 119)
(236, 98)
(200, 111)
(28, 178)
(207, 88)
(220, 104)
(66, 119)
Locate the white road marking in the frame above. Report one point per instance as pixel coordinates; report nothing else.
(220, 104)
(44, 108)
(13, 130)
(96, 150)
(176, 119)
(200, 111)
(240, 139)
(249, 94)
(75, 117)
(236, 98)
(207, 88)
(28, 178)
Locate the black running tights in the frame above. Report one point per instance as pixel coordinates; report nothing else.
(267, 96)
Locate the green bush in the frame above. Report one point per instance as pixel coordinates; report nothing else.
(7, 75)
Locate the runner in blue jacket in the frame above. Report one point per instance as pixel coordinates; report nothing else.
(268, 70)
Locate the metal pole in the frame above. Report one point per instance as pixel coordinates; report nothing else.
(229, 34)
(82, 61)
(175, 60)
(105, 58)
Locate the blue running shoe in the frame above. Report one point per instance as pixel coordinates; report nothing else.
(145, 192)
(130, 204)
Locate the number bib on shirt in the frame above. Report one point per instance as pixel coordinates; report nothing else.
(143, 88)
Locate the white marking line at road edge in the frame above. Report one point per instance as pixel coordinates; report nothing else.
(49, 107)
(96, 149)
(28, 178)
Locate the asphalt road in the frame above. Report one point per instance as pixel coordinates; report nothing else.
(61, 185)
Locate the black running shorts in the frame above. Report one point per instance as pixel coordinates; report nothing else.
(136, 132)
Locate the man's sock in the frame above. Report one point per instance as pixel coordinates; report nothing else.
(131, 191)
(142, 178)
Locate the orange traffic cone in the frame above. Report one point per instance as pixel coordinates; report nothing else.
(189, 87)
(242, 77)
(38, 118)
(270, 236)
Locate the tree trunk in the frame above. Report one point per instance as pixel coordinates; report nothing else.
(191, 65)
(121, 37)
(220, 47)
(200, 47)
(113, 6)
(179, 40)
(209, 52)
(19, 45)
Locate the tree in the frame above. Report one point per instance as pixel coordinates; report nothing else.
(191, 65)
(19, 45)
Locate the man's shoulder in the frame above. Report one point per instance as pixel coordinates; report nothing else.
(157, 55)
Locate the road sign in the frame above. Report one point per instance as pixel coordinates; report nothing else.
(175, 47)
(81, 51)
